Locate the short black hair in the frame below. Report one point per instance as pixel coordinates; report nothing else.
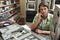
(43, 4)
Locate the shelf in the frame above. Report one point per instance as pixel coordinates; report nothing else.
(31, 9)
(8, 15)
(7, 11)
(8, 5)
(31, 0)
(11, 15)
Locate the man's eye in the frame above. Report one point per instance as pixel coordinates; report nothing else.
(41, 9)
(44, 8)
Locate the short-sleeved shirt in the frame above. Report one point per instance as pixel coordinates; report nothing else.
(44, 23)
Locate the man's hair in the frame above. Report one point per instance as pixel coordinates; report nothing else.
(43, 4)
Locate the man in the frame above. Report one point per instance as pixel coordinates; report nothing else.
(42, 21)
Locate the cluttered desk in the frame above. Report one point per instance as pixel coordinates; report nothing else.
(20, 32)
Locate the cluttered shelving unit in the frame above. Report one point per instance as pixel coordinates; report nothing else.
(8, 8)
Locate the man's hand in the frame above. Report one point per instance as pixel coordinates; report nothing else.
(39, 17)
(38, 31)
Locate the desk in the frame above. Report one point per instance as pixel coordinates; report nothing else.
(14, 31)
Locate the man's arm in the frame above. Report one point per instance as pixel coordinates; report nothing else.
(36, 22)
(33, 25)
(43, 32)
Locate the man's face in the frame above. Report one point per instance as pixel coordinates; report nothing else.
(44, 11)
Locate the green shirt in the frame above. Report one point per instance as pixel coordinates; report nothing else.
(44, 23)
